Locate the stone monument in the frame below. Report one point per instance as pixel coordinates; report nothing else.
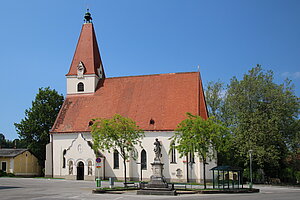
(157, 184)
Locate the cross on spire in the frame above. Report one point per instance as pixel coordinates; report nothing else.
(87, 17)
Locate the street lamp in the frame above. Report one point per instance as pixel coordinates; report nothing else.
(250, 154)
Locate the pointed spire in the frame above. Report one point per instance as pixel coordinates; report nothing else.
(203, 112)
(87, 52)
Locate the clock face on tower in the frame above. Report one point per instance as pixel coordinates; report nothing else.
(80, 70)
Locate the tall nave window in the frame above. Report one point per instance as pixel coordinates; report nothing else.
(173, 153)
(116, 159)
(143, 160)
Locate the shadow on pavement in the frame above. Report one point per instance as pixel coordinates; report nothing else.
(8, 187)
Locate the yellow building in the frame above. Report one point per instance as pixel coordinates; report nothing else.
(20, 162)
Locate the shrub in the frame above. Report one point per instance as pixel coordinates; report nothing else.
(10, 175)
(2, 173)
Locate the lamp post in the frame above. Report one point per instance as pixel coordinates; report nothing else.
(250, 154)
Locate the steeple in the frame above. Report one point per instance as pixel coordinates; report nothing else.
(86, 68)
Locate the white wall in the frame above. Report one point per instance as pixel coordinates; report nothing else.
(90, 83)
(48, 161)
(64, 141)
(77, 150)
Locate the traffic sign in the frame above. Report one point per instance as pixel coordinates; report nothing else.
(98, 165)
(98, 160)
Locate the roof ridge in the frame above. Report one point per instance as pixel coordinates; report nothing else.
(14, 149)
(164, 74)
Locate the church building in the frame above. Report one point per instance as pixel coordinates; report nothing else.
(157, 103)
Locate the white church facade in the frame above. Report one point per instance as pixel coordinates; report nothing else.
(156, 102)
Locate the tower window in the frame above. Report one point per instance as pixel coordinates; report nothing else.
(80, 87)
(143, 160)
(116, 159)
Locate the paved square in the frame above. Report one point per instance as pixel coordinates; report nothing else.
(30, 188)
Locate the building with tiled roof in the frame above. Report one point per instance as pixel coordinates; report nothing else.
(157, 103)
(20, 162)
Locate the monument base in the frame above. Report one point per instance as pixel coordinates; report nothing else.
(157, 185)
(156, 191)
(157, 180)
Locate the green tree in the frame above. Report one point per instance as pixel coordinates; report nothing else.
(4, 143)
(34, 129)
(214, 96)
(203, 137)
(116, 133)
(262, 117)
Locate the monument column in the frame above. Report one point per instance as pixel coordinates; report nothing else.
(158, 184)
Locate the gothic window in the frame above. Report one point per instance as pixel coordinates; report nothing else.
(116, 159)
(192, 158)
(143, 160)
(173, 153)
(90, 170)
(80, 87)
(64, 158)
(70, 167)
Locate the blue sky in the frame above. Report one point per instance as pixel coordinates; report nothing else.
(136, 37)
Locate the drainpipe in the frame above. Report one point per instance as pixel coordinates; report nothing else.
(104, 160)
(51, 138)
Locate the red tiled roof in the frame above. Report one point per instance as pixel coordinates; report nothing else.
(164, 98)
(11, 152)
(86, 51)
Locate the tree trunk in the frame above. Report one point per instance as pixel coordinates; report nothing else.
(124, 162)
(187, 169)
(204, 176)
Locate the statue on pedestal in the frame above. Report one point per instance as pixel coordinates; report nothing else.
(157, 150)
(157, 184)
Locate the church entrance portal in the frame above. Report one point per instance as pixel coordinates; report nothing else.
(80, 171)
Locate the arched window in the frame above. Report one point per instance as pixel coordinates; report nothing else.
(70, 167)
(90, 170)
(192, 157)
(143, 160)
(116, 159)
(64, 158)
(173, 153)
(80, 87)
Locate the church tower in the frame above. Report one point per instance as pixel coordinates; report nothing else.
(86, 68)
